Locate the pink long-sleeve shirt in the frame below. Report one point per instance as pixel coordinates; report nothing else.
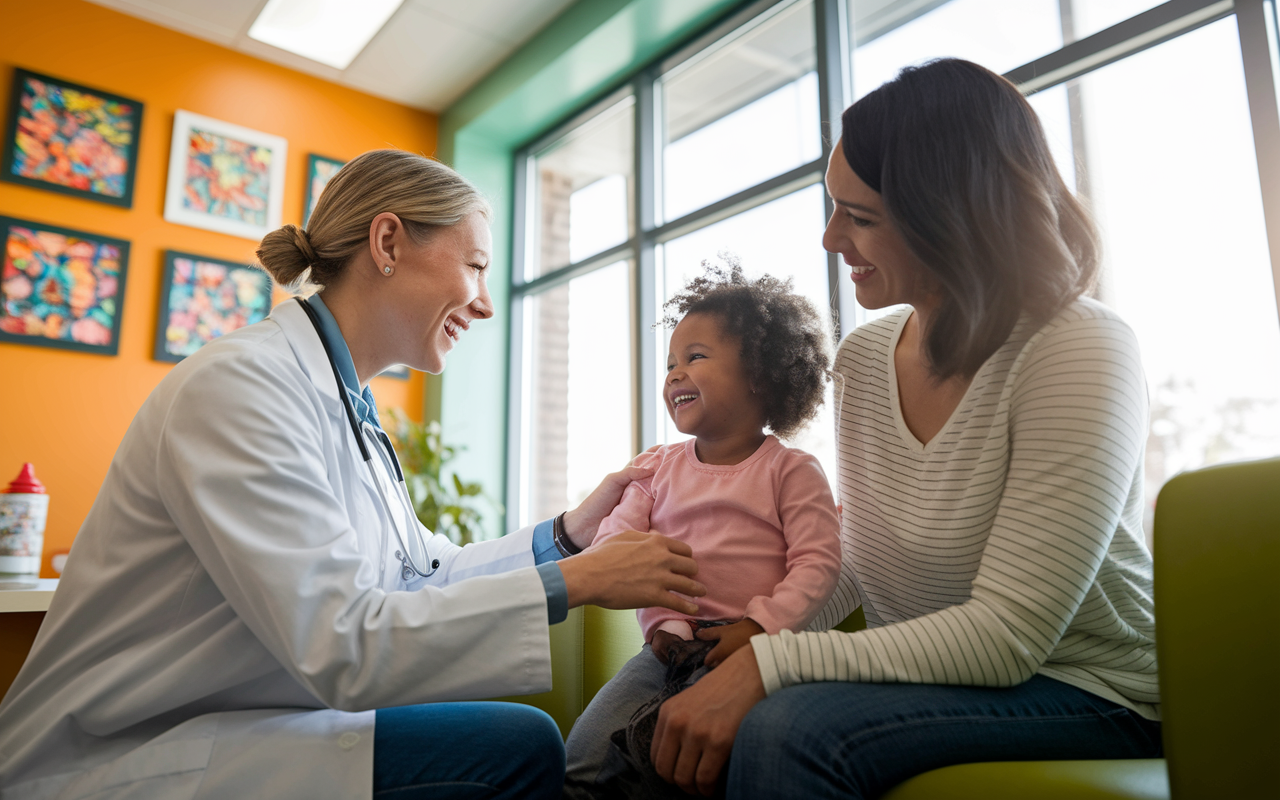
(764, 533)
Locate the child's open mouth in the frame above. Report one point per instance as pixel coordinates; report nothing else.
(683, 399)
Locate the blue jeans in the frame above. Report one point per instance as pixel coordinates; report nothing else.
(858, 740)
(466, 751)
(589, 753)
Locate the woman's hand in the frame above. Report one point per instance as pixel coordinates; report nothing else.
(633, 570)
(696, 728)
(731, 639)
(581, 523)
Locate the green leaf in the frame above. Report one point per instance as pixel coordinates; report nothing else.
(444, 506)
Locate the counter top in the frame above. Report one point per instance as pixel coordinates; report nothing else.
(35, 598)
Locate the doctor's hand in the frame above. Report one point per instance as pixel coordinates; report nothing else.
(633, 570)
(696, 728)
(581, 523)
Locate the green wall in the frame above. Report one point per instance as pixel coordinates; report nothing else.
(588, 51)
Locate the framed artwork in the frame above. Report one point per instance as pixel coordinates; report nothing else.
(61, 288)
(203, 298)
(224, 178)
(71, 139)
(319, 171)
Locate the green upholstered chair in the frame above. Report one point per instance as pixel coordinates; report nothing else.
(587, 649)
(1218, 630)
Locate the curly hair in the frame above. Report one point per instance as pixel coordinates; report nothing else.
(786, 349)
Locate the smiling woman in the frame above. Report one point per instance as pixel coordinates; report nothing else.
(990, 448)
(252, 601)
(428, 223)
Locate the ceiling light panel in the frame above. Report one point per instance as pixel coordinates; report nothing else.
(332, 32)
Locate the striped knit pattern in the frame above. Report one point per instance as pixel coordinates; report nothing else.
(1011, 544)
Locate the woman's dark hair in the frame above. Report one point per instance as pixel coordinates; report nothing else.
(786, 349)
(961, 162)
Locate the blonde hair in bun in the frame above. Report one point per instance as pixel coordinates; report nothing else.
(424, 194)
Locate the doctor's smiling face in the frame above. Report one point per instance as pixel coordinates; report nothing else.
(441, 289)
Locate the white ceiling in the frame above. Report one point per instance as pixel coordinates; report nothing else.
(429, 53)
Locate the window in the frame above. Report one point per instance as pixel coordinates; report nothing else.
(581, 191)
(741, 111)
(578, 393)
(574, 368)
(1185, 247)
(719, 149)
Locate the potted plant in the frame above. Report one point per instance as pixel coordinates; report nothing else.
(444, 505)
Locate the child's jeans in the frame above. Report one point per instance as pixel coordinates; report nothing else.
(589, 753)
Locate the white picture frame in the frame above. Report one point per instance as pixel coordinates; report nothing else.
(234, 210)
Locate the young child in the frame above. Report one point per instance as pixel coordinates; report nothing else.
(744, 356)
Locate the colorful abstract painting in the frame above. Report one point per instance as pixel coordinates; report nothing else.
(224, 177)
(227, 178)
(71, 139)
(319, 171)
(203, 298)
(60, 287)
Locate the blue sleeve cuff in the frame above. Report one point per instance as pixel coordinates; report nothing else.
(544, 543)
(557, 592)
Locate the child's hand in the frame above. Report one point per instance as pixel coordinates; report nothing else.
(661, 644)
(731, 638)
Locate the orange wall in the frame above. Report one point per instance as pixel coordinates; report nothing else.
(66, 412)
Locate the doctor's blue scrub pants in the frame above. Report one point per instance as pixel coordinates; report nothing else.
(466, 751)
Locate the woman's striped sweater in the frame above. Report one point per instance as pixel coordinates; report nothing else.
(1011, 544)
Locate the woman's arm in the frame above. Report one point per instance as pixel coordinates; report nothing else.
(615, 565)
(615, 498)
(512, 551)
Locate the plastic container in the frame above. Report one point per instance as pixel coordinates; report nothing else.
(24, 508)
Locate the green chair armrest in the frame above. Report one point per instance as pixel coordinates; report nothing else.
(1137, 779)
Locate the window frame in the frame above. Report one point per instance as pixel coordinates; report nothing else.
(1257, 27)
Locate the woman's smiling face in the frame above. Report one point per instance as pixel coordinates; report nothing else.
(707, 391)
(881, 265)
(439, 290)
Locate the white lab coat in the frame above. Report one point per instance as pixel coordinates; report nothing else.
(232, 610)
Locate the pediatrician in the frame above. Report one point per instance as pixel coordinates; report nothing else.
(251, 608)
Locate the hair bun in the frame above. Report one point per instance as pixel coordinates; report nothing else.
(287, 253)
(302, 240)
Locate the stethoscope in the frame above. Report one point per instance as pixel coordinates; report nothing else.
(386, 453)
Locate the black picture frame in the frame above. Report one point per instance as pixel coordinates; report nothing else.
(314, 159)
(9, 161)
(10, 283)
(161, 350)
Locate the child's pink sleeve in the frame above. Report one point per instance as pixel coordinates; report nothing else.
(812, 532)
(632, 511)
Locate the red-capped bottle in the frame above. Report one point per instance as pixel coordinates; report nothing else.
(24, 508)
